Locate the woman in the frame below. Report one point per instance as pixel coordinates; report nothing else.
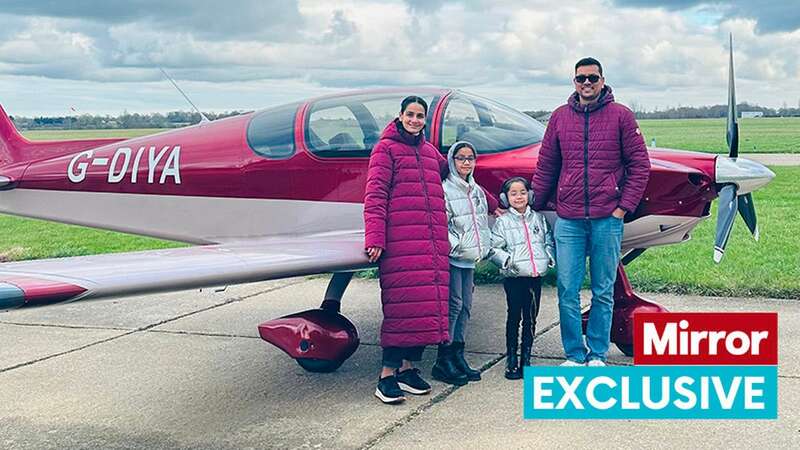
(406, 232)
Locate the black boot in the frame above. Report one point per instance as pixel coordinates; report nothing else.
(512, 366)
(444, 370)
(461, 363)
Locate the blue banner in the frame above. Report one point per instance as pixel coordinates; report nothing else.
(651, 392)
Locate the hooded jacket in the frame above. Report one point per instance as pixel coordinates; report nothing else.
(404, 214)
(467, 216)
(593, 159)
(522, 244)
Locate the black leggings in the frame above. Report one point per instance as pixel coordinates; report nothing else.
(523, 295)
(393, 356)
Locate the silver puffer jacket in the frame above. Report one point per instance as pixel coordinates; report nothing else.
(467, 215)
(522, 244)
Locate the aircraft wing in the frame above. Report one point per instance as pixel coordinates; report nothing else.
(83, 277)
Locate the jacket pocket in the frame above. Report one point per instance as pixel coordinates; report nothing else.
(569, 194)
(455, 243)
(611, 185)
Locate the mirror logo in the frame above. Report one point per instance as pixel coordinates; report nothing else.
(686, 366)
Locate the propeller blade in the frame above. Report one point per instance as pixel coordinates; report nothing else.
(747, 209)
(733, 126)
(725, 216)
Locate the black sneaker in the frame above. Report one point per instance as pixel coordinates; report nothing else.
(410, 381)
(388, 391)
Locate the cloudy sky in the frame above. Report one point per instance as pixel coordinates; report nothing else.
(103, 57)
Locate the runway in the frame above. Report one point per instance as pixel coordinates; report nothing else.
(188, 370)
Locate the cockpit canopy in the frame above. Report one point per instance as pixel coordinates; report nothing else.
(350, 125)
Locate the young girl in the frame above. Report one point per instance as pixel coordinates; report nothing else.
(470, 242)
(523, 249)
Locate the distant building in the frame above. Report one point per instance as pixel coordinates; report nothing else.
(752, 114)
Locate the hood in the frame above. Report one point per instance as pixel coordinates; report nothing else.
(606, 97)
(470, 181)
(395, 131)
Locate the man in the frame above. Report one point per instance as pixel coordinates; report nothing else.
(594, 163)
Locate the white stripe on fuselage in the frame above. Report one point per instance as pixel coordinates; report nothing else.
(221, 219)
(185, 218)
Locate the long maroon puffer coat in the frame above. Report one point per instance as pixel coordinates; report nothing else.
(404, 214)
(595, 155)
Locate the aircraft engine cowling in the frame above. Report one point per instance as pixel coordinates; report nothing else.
(320, 340)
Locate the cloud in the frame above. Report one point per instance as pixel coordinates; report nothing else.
(523, 50)
(770, 16)
(264, 19)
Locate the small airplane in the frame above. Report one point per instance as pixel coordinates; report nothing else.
(279, 193)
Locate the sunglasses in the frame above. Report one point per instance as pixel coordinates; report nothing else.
(593, 78)
(463, 159)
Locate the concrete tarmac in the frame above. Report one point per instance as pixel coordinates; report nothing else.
(188, 370)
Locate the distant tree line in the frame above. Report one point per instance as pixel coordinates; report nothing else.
(716, 111)
(695, 112)
(174, 119)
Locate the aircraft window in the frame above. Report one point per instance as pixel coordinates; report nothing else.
(490, 126)
(271, 132)
(335, 130)
(351, 126)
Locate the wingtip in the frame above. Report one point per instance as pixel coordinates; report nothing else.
(6, 183)
(11, 296)
(756, 235)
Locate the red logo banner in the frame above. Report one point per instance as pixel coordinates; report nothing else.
(705, 338)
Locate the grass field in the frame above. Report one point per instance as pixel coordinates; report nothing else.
(54, 135)
(768, 268)
(33, 239)
(761, 135)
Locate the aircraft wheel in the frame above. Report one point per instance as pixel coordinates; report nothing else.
(627, 349)
(319, 365)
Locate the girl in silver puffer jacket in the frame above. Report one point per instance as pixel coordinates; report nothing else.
(470, 242)
(522, 247)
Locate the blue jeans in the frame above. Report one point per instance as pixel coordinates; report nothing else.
(460, 302)
(600, 240)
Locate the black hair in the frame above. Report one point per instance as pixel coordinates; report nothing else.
(413, 99)
(589, 62)
(467, 145)
(507, 184)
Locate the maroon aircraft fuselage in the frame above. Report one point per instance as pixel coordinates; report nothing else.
(215, 160)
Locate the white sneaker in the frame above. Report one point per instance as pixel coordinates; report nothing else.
(571, 363)
(596, 363)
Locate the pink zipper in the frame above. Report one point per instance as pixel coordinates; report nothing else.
(528, 241)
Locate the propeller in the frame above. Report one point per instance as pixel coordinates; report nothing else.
(729, 202)
(732, 135)
(725, 216)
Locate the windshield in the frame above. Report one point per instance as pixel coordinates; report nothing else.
(488, 125)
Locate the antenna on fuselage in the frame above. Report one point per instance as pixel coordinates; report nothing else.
(203, 117)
